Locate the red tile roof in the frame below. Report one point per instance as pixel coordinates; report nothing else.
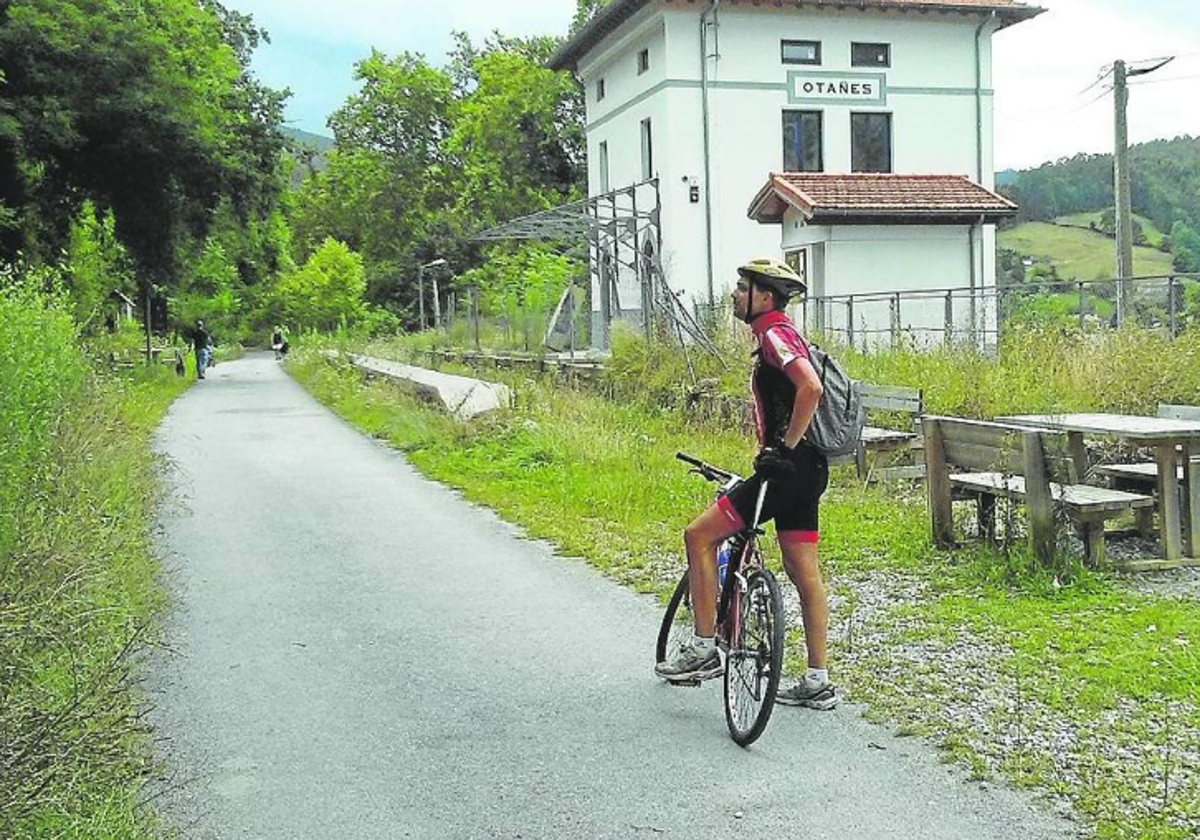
(826, 198)
(608, 19)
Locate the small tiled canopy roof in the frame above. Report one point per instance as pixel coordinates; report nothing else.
(877, 198)
(617, 12)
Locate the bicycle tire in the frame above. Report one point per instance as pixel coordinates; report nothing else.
(755, 659)
(676, 624)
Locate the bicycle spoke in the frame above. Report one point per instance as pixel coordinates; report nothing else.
(752, 667)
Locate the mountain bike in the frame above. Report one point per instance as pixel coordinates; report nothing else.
(750, 621)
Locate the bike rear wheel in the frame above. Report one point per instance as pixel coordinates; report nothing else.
(755, 659)
(676, 625)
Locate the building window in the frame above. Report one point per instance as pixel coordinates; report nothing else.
(798, 262)
(870, 55)
(647, 151)
(643, 61)
(604, 167)
(871, 142)
(599, 90)
(802, 142)
(800, 52)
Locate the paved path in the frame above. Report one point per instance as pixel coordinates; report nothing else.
(359, 653)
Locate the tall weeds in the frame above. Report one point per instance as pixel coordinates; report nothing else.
(76, 576)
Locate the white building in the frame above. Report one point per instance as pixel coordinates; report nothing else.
(715, 98)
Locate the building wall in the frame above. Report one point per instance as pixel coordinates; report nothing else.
(930, 92)
(860, 259)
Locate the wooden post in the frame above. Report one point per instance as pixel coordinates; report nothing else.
(949, 317)
(850, 321)
(421, 295)
(895, 320)
(937, 482)
(475, 315)
(1168, 500)
(1081, 307)
(1191, 499)
(1038, 501)
(1078, 453)
(1172, 314)
(147, 295)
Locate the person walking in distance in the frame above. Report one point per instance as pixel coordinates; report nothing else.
(786, 390)
(201, 343)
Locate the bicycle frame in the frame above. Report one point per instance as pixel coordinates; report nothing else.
(736, 577)
(744, 562)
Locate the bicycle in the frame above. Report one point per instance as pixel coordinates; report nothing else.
(750, 621)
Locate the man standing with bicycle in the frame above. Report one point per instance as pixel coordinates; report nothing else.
(786, 392)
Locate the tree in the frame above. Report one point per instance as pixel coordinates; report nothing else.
(1185, 246)
(327, 291)
(148, 109)
(97, 265)
(585, 10)
(515, 140)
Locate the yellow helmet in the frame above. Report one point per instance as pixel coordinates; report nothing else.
(774, 274)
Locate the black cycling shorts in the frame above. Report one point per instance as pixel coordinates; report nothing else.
(792, 503)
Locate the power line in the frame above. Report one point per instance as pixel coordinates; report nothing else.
(1105, 71)
(1091, 101)
(1160, 81)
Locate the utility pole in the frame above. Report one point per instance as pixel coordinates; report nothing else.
(1123, 213)
(1122, 182)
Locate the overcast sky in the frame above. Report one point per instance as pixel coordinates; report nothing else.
(1042, 67)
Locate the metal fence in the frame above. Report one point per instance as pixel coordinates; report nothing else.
(979, 316)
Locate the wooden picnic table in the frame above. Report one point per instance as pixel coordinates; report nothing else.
(1175, 442)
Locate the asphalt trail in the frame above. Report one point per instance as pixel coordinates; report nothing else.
(359, 653)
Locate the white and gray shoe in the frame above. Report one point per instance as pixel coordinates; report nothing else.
(690, 664)
(807, 692)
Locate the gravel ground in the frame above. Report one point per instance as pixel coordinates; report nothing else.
(1175, 583)
(1117, 767)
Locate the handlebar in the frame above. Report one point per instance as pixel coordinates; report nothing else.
(708, 471)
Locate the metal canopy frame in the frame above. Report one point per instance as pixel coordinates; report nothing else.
(622, 232)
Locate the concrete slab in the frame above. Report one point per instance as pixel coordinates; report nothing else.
(462, 396)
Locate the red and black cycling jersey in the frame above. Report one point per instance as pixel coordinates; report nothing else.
(779, 344)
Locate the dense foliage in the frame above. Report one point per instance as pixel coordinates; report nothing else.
(427, 156)
(147, 110)
(1165, 189)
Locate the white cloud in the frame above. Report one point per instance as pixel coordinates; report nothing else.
(1042, 67)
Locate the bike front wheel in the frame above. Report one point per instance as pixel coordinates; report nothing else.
(755, 659)
(677, 622)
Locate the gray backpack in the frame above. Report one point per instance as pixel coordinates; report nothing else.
(837, 424)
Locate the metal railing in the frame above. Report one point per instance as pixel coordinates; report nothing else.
(980, 315)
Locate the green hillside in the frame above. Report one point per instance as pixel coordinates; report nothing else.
(1096, 221)
(1077, 253)
(306, 139)
(1165, 194)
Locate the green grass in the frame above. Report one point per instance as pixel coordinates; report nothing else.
(77, 581)
(1154, 236)
(1080, 254)
(1064, 648)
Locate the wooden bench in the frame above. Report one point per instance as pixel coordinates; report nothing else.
(877, 439)
(983, 461)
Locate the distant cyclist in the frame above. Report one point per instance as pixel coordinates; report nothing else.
(786, 392)
(279, 342)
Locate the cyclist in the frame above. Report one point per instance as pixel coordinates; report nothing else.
(786, 391)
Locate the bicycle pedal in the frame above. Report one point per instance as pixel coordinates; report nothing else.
(688, 683)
